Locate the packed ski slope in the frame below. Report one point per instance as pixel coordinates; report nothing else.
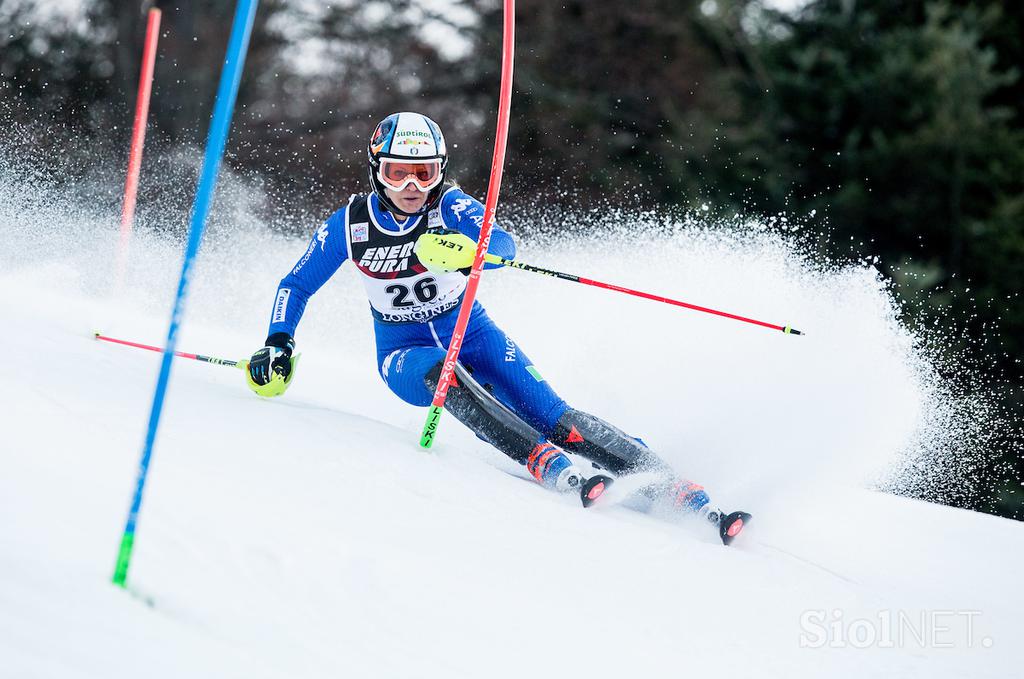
(308, 536)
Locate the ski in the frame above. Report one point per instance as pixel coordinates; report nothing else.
(731, 525)
(593, 488)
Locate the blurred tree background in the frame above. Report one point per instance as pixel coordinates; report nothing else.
(895, 127)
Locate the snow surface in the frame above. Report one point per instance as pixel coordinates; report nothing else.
(309, 536)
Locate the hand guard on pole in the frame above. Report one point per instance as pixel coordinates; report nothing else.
(443, 252)
(271, 368)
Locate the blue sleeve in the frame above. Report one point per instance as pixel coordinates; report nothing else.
(465, 214)
(326, 252)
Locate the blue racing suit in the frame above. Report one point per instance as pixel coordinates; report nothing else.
(412, 338)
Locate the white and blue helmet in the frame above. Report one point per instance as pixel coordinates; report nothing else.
(407, 148)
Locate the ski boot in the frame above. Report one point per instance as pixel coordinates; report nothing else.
(553, 469)
(689, 496)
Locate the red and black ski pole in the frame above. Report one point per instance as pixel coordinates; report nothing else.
(494, 259)
(182, 354)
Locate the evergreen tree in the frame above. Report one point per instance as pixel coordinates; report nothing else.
(896, 121)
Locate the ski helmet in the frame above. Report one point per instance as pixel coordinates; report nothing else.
(407, 148)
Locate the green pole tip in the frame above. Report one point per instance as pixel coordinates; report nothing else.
(124, 557)
(430, 428)
(791, 331)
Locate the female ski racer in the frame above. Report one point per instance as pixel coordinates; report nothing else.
(390, 237)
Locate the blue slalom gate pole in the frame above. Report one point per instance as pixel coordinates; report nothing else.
(220, 124)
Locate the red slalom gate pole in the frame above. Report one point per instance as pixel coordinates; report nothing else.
(131, 185)
(490, 207)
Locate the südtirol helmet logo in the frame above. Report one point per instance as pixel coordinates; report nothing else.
(413, 141)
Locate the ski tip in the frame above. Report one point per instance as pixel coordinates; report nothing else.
(732, 525)
(593, 488)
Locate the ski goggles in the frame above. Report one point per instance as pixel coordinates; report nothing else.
(397, 174)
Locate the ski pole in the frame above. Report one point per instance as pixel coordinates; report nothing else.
(241, 365)
(494, 259)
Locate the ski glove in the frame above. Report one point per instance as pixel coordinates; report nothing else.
(446, 251)
(270, 368)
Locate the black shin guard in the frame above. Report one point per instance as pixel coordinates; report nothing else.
(486, 417)
(593, 438)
